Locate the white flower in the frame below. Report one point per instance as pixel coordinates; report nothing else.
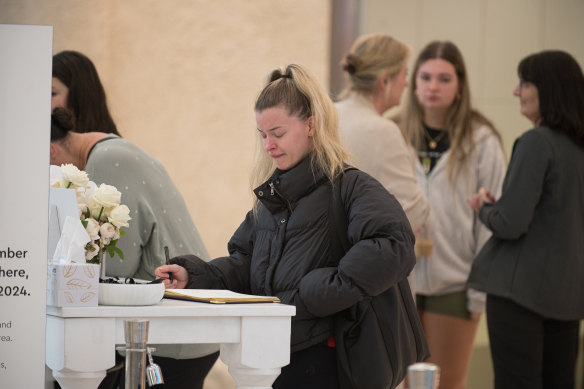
(71, 174)
(55, 176)
(91, 250)
(99, 209)
(94, 209)
(81, 208)
(119, 216)
(107, 196)
(81, 199)
(90, 189)
(107, 232)
(92, 229)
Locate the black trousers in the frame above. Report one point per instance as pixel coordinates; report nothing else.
(177, 373)
(530, 351)
(311, 368)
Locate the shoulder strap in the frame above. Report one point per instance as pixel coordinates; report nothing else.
(338, 222)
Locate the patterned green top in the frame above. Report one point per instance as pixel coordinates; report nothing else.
(159, 218)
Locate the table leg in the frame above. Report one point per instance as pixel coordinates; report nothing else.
(78, 380)
(255, 362)
(80, 350)
(254, 378)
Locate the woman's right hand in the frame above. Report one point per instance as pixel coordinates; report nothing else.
(180, 276)
(477, 200)
(486, 196)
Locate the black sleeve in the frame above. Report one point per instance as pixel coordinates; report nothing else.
(510, 216)
(201, 274)
(382, 251)
(232, 272)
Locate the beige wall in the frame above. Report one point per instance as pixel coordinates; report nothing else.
(181, 78)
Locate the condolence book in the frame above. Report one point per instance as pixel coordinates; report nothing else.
(217, 296)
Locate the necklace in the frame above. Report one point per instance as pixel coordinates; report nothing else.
(433, 142)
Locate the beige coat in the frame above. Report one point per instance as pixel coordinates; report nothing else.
(379, 149)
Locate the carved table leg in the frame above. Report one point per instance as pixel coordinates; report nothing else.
(78, 380)
(255, 362)
(80, 359)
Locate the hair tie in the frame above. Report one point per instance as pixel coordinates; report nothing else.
(284, 76)
(349, 68)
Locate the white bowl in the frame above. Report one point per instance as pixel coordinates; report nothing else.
(130, 294)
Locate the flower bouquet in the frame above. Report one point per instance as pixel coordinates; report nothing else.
(100, 211)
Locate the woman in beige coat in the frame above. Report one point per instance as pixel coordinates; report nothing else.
(376, 70)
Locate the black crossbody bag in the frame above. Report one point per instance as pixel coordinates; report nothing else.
(379, 337)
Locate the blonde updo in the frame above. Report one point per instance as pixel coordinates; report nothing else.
(373, 56)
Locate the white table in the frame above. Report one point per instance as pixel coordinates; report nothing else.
(254, 338)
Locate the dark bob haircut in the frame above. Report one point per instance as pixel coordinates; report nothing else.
(560, 86)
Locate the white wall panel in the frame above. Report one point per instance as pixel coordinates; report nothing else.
(398, 18)
(564, 27)
(509, 38)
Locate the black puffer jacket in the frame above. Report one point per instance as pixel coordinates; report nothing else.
(284, 252)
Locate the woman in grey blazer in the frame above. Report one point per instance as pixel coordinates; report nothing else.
(533, 266)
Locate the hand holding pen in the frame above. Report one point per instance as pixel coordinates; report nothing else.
(172, 275)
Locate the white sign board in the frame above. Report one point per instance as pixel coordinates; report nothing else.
(25, 118)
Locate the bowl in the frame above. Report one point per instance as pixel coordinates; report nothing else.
(140, 293)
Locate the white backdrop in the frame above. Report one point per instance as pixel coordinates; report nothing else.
(25, 105)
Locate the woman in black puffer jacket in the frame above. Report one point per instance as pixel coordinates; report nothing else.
(282, 248)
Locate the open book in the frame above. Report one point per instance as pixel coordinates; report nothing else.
(217, 296)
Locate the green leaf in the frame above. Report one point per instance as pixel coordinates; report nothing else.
(119, 252)
(110, 250)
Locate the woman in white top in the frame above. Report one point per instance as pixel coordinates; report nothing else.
(459, 151)
(376, 70)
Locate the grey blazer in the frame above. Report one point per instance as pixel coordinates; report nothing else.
(535, 256)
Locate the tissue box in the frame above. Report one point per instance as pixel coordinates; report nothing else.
(73, 285)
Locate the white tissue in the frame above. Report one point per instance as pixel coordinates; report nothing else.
(71, 244)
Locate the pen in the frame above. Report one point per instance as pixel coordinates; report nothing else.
(168, 263)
